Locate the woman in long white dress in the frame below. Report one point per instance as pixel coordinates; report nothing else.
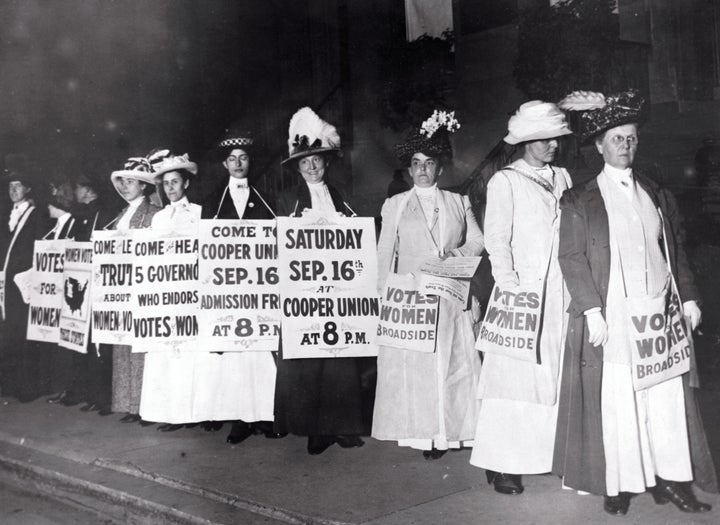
(426, 400)
(518, 412)
(167, 388)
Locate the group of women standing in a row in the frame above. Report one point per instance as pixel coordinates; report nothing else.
(506, 409)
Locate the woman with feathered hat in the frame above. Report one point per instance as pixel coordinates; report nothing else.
(425, 400)
(135, 183)
(318, 398)
(518, 412)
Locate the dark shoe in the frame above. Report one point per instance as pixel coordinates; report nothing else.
(510, 484)
(239, 432)
(349, 441)
(266, 428)
(144, 423)
(130, 418)
(679, 495)
(211, 426)
(433, 454)
(57, 398)
(617, 505)
(319, 444)
(168, 427)
(69, 400)
(104, 411)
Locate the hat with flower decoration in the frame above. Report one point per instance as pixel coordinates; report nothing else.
(431, 138)
(174, 163)
(308, 134)
(141, 168)
(626, 107)
(536, 120)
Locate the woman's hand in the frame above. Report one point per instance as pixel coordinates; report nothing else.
(597, 328)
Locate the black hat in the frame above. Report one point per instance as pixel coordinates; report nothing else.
(619, 109)
(237, 136)
(16, 169)
(431, 138)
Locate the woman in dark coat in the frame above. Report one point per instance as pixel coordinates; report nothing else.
(317, 397)
(19, 373)
(594, 451)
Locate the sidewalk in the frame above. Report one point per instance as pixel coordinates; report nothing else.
(193, 476)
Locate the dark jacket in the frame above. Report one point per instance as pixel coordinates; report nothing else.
(220, 202)
(142, 218)
(584, 255)
(292, 202)
(88, 217)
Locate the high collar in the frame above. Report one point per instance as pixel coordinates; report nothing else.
(617, 174)
(234, 182)
(21, 206)
(183, 201)
(426, 192)
(136, 202)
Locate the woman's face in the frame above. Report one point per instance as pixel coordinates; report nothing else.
(237, 163)
(174, 185)
(312, 168)
(424, 170)
(130, 189)
(538, 153)
(17, 191)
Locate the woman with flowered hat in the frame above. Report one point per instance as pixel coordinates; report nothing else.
(236, 386)
(318, 398)
(425, 400)
(519, 399)
(135, 183)
(167, 386)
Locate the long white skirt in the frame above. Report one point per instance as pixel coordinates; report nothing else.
(515, 437)
(234, 385)
(167, 387)
(644, 433)
(188, 387)
(427, 400)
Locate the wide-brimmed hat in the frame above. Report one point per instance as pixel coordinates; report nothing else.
(138, 168)
(174, 163)
(536, 120)
(431, 138)
(626, 107)
(308, 134)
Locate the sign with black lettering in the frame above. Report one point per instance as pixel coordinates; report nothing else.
(46, 291)
(328, 274)
(239, 290)
(75, 309)
(112, 287)
(408, 318)
(165, 298)
(512, 323)
(660, 346)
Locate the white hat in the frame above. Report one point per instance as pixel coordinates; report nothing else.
(536, 120)
(174, 163)
(309, 134)
(138, 168)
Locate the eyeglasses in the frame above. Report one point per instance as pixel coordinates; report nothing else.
(617, 140)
